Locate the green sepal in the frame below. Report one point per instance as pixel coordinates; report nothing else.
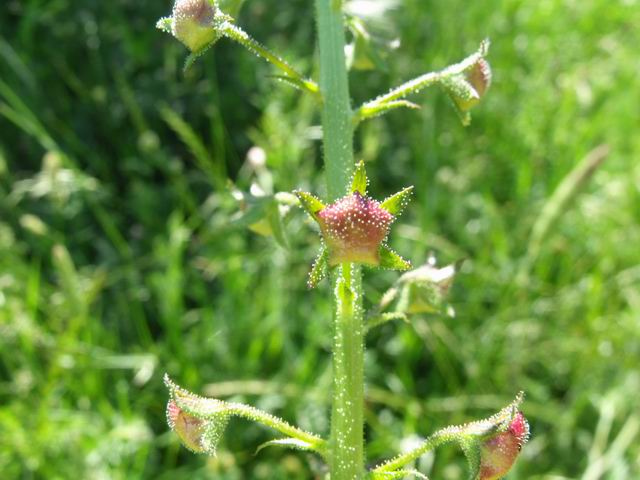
(319, 269)
(164, 24)
(395, 203)
(391, 260)
(294, 443)
(471, 449)
(359, 182)
(462, 95)
(310, 203)
(192, 57)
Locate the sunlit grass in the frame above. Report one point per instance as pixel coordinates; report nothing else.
(121, 259)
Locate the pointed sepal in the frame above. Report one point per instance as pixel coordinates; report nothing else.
(319, 269)
(360, 182)
(395, 203)
(391, 260)
(311, 204)
(164, 24)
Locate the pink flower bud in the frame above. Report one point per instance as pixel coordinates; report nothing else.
(188, 427)
(479, 76)
(466, 89)
(499, 451)
(354, 228)
(192, 22)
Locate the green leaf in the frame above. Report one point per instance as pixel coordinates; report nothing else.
(377, 320)
(399, 474)
(391, 260)
(319, 269)
(396, 203)
(310, 203)
(274, 218)
(377, 109)
(294, 443)
(359, 182)
(291, 81)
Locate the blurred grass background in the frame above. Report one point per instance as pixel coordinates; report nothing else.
(121, 255)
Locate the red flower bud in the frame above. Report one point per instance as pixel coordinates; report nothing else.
(354, 228)
(499, 451)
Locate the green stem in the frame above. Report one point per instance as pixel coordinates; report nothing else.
(336, 113)
(377, 106)
(276, 423)
(347, 449)
(439, 438)
(236, 33)
(346, 444)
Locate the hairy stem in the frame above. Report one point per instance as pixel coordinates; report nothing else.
(380, 104)
(346, 444)
(336, 112)
(347, 450)
(236, 33)
(274, 422)
(434, 441)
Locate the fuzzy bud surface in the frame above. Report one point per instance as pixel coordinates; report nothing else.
(353, 228)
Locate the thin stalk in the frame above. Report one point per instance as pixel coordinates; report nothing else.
(439, 438)
(274, 422)
(346, 443)
(236, 33)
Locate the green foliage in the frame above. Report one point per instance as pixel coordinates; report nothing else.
(130, 258)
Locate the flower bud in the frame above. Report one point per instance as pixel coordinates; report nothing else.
(354, 228)
(466, 89)
(498, 452)
(189, 428)
(192, 22)
(479, 76)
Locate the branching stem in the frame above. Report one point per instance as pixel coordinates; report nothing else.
(434, 441)
(390, 100)
(276, 423)
(234, 32)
